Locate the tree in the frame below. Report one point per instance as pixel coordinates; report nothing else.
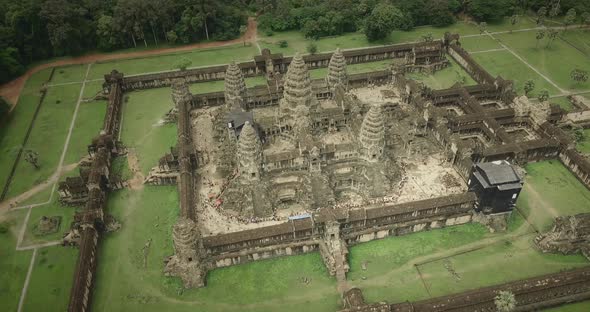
(541, 15)
(243, 30)
(171, 36)
(552, 35)
(283, 44)
(570, 17)
(539, 36)
(489, 10)
(505, 301)
(529, 86)
(555, 9)
(586, 18)
(382, 20)
(482, 27)
(4, 108)
(428, 37)
(579, 75)
(32, 158)
(579, 134)
(312, 48)
(183, 63)
(543, 96)
(514, 19)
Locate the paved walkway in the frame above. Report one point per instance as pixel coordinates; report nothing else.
(23, 294)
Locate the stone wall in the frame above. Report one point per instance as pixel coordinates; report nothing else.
(577, 164)
(533, 294)
(91, 218)
(356, 226)
(476, 71)
(422, 54)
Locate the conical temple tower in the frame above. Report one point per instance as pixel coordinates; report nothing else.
(186, 262)
(372, 134)
(235, 87)
(249, 154)
(337, 70)
(297, 84)
(180, 91)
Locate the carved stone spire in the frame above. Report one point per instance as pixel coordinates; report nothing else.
(235, 87)
(249, 153)
(186, 261)
(297, 85)
(180, 91)
(372, 134)
(337, 69)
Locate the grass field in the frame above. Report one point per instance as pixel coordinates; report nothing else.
(575, 307)
(13, 264)
(54, 208)
(504, 64)
(47, 137)
(51, 279)
(555, 61)
(72, 73)
(141, 130)
(203, 57)
(551, 190)
(444, 78)
(13, 132)
(298, 43)
(87, 126)
(124, 284)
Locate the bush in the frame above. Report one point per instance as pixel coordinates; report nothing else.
(283, 44)
(269, 33)
(312, 48)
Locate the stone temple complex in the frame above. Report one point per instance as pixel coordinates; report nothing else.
(318, 165)
(305, 153)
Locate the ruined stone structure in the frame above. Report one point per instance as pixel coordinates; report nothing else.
(569, 235)
(533, 294)
(306, 145)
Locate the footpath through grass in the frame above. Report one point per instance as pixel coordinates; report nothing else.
(13, 264)
(128, 281)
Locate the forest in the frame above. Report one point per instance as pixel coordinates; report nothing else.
(35, 30)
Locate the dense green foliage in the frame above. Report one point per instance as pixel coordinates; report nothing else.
(33, 30)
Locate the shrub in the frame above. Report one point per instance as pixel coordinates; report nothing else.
(283, 44)
(312, 48)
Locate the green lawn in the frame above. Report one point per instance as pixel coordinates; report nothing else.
(504, 64)
(550, 191)
(71, 73)
(120, 166)
(141, 129)
(38, 198)
(563, 102)
(479, 43)
(444, 78)
(578, 38)
(124, 284)
(574, 307)
(92, 88)
(13, 264)
(51, 279)
(297, 42)
(555, 61)
(12, 132)
(584, 145)
(216, 86)
(47, 137)
(494, 264)
(54, 208)
(202, 57)
(88, 124)
(390, 274)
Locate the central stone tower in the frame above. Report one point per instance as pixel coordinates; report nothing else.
(249, 154)
(297, 86)
(372, 135)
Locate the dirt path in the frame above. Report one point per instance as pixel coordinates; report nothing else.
(135, 183)
(11, 90)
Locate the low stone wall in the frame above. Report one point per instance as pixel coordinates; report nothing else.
(577, 164)
(356, 226)
(531, 294)
(476, 71)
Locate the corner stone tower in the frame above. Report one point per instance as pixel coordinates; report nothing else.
(186, 261)
(372, 134)
(337, 70)
(180, 91)
(249, 154)
(235, 87)
(297, 86)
